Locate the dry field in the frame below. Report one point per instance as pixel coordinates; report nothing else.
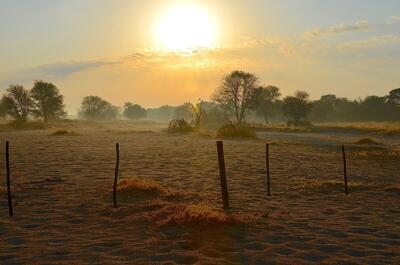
(169, 199)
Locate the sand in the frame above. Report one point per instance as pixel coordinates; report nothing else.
(64, 213)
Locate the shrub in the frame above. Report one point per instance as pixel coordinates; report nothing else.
(232, 130)
(179, 126)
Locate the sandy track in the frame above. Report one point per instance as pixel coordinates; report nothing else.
(64, 214)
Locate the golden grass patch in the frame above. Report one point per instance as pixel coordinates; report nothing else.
(171, 213)
(136, 185)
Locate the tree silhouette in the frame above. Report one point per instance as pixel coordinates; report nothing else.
(184, 111)
(17, 103)
(265, 99)
(198, 112)
(394, 96)
(237, 94)
(297, 108)
(96, 108)
(134, 111)
(48, 101)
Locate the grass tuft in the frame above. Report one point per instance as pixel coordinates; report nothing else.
(367, 141)
(170, 213)
(145, 187)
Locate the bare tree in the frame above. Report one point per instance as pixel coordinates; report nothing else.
(198, 112)
(237, 94)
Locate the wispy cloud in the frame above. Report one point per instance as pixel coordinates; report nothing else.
(368, 43)
(318, 32)
(393, 20)
(56, 70)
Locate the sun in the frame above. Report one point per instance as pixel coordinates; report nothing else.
(185, 27)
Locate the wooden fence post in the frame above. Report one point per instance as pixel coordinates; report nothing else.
(344, 170)
(10, 207)
(116, 175)
(267, 169)
(222, 174)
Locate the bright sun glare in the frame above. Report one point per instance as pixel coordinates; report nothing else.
(185, 27)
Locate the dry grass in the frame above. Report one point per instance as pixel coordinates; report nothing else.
(336, 185)
(233, 131)
(145, 187)
(394, 189)
(64, 133)
(170, 213)
(388, 128)
(367, 141)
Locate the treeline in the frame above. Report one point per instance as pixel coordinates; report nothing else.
(239, 99)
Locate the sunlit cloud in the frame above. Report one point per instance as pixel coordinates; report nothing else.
(357, 26)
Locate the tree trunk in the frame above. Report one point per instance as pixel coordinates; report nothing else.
(266, 119)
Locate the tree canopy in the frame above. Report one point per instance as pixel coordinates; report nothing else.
(17, 103)
(134, 111)
(237, 94)
(96, 108)
(49, 104)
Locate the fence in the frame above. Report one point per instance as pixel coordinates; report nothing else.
(221, 165)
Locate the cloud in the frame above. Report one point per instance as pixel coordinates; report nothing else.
(56, 70)
(368, 43)
(64, 69)
(393, 20)
(318, 32)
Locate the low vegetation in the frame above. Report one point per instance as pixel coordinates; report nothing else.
(367, 141)
(64, 133)
(232, 130)
(338, 185)
(179, 126)
(172, 213)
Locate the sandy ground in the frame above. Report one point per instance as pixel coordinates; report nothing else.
(64, 215)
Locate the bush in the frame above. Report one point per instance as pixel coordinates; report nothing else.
(232, 130)
(179, 126)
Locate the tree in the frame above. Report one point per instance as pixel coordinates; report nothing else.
(96, 108)
(134, 111)
(324, 108)
(265, 99)
(297, 108)
(48, 101)
(394, 96)
(17, 103)
(184, 111)
(198, 112)
(237, 94)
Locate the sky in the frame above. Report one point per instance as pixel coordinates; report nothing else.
(157, 52)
